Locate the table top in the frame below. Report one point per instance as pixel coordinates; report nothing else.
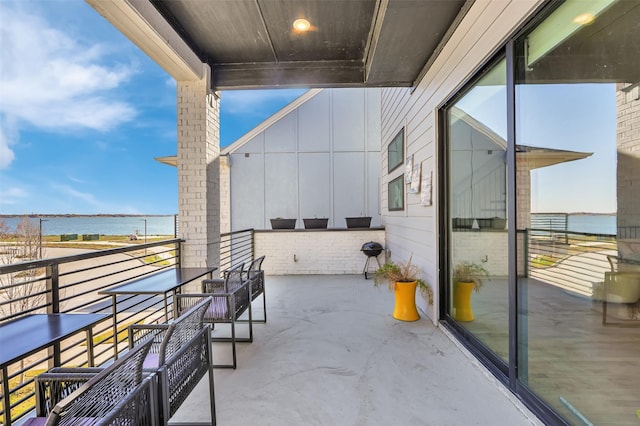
(25, 335)
(161, 282)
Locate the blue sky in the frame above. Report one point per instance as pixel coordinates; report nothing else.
(573, 117)
(83, 113)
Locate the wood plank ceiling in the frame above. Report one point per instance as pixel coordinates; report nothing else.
(354, 43)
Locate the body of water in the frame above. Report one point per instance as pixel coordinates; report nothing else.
(104, 225)
(592, 223)
(164, 225)
(576, 222)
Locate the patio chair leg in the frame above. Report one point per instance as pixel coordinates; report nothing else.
(233, 343)
(250, 323)
(212, 395)
(264, 304)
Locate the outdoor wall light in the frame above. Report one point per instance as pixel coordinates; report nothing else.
(301, 25)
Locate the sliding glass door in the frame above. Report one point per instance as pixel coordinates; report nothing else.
(476, 129)
(563, 156)
(578, 179)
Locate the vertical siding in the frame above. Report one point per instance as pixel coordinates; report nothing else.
(413, 232)
(321, 159)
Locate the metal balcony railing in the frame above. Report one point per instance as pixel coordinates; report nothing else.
(71, 284)
(236, 247)
(574, 261)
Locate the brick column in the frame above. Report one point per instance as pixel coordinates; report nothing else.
(225, 194)
(199, 172)
(628, 170)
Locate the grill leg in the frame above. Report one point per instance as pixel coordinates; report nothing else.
(366, 266)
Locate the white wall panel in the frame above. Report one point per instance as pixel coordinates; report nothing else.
(304, 175)
(373, 187)
(314, 124)
(315, 186)
(247, 197)
(373, 119)
(281, 136)
(348, 187)
(255, 145)
(281, 185)
(348, 106)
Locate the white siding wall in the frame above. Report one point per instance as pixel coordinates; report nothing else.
(225, 195)
(484, 29)
(319, 160)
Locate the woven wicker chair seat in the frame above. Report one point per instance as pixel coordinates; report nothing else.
(218, 310)
(150, 362)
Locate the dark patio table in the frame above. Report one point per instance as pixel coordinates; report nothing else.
(26, 335)
(161, 283)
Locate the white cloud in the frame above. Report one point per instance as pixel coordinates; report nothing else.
(6, 154)
(85, 202)
(75, 179)
(84, 197)
(59, 197)
(10, 195)
(50, 81)
(250, 101)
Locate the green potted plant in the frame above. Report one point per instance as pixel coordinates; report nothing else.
(403, 278)
(467, 277)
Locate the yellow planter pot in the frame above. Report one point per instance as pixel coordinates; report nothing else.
(405, 308)
(462, 301)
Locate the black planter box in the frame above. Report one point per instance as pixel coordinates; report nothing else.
(358, 222)
(283, 223)
(315, 223)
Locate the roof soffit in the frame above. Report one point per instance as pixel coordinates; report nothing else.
(354, 43)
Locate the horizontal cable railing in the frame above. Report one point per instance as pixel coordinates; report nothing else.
(71, 284)
(236, 247)
(574, 261)
(550, 221)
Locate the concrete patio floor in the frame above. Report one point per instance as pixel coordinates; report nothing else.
(331, 354)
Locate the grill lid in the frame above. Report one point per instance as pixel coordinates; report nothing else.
(371, 248)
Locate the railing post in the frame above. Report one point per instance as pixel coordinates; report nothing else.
(53, 289)
(526, 253)
(53, 307)
(253, 244)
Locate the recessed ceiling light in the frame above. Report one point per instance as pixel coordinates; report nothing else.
(584, 19)
(301, 25)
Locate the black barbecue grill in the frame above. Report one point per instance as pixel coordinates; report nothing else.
(371, 249)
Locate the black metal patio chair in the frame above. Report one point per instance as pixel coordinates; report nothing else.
(180, 356)
(118, 394)
(231, 299)
(255, 275)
